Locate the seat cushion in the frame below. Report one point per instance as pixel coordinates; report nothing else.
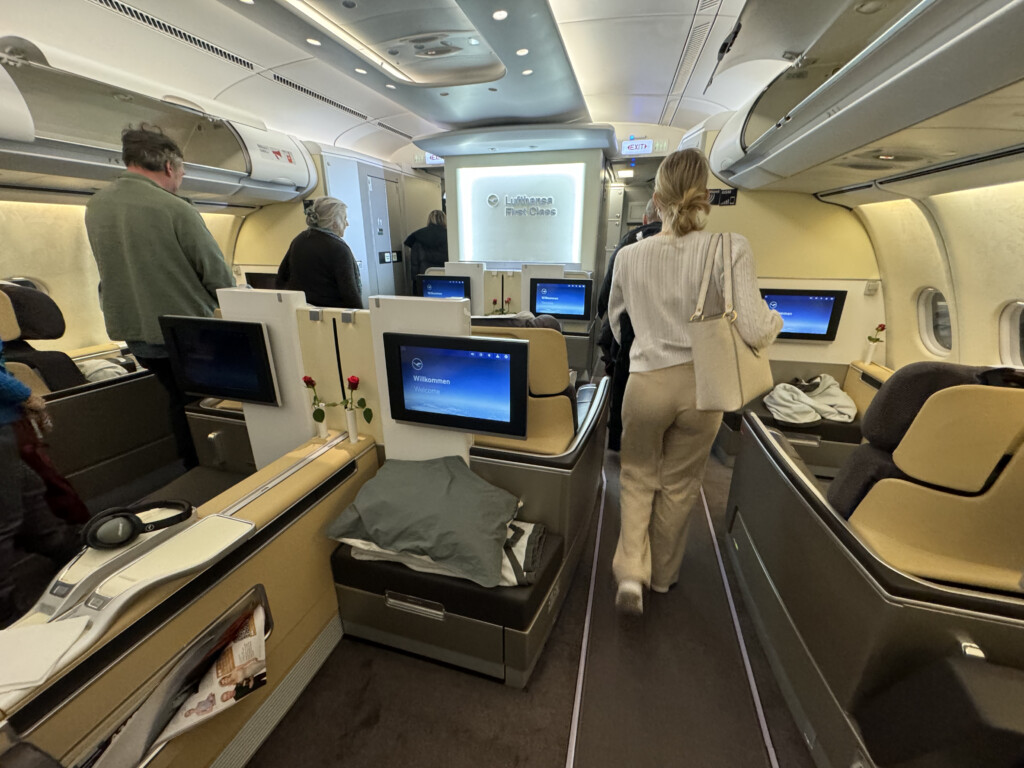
(511, 607)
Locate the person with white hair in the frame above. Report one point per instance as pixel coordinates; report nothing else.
(319, 262)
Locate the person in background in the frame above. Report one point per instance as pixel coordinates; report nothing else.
(665, 439)
(616, 355)
(155, 257)
(319, 262)
(24, 514)
(428, 246)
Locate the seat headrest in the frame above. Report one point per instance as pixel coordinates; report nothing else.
(549, 359)
(518, 320)
(38, 315)
(9, 328)
(897, 403)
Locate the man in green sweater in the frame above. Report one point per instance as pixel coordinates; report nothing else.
(155, 257)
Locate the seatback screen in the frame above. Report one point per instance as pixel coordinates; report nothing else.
(221, 358)
(565, 298)
(442, 287)
(470, 383)
(806, 314)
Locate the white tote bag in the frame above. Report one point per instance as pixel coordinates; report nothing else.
(729, 373)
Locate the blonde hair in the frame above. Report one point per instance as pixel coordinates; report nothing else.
(437, 218)
(681, 188)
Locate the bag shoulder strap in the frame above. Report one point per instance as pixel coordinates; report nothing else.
(705, 282)
(727, 272)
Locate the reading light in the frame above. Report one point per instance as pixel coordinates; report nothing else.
(499, 15)
(522, 51)
(360, 70)
(886, 157)
(389, 85)
(473, 41)
(527, 72)
(313, 41)
(247, 2)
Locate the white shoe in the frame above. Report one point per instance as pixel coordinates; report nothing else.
(630, 597)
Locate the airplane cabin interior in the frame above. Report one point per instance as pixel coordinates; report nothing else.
(396, 546)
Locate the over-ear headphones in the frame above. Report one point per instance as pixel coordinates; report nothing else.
(117, 526)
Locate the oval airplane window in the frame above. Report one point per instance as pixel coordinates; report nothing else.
(1011, 334)
(934, 322)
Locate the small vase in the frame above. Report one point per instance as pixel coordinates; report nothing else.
(321, 429)
(353, 427)
(871, 352)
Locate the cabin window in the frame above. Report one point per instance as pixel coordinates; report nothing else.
(1011, 334)
(933, 319)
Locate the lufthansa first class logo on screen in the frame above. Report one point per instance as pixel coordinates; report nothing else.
(524, 205)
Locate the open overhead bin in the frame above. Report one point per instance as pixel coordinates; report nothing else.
(60, 132)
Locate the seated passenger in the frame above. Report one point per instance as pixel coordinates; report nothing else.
(319, 262)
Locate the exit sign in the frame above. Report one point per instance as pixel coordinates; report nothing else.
(637, 147)
(434, 159)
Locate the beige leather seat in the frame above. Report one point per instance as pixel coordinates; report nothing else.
(550, 407)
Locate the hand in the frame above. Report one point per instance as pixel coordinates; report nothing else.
(35, 407)
(35, 403)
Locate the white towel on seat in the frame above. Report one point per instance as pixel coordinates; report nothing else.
(824, 400)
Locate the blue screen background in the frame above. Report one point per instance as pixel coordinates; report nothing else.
(439, 288)
(561, 299)
(479, 382)
(802, 314)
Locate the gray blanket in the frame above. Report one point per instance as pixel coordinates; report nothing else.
(436, 508)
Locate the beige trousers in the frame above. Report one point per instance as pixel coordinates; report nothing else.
(665, 447)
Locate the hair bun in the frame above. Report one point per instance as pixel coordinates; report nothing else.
(312, 218)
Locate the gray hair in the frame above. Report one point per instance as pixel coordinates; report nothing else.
(149, 147)
(651, 211)
(327, 213)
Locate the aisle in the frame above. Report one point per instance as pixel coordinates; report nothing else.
(667, 688)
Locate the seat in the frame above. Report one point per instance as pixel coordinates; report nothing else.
(935, 491)
(37, 316)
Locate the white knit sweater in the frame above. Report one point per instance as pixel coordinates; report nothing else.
(656, 282)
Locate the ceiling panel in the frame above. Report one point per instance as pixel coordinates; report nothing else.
(629, 56)
(328, 81)
(624, 107)
(568, 11)
(371, 140)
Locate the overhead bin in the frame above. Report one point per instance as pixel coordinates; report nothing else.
(941, 55)
(76, 123)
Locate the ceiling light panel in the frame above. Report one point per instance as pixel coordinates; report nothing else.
(429, 42)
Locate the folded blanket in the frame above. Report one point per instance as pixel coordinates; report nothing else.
(521, 555)
(811, 401)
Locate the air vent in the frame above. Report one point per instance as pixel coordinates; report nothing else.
(171, 31)
(387, 127)
(707, 5)
(694, 45)
(319, 97)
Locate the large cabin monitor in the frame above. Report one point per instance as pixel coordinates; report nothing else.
(441, 286)
(468, 383)
(564, 298)
(807, 314)
(229, 359)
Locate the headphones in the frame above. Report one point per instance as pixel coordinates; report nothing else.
(117, 526)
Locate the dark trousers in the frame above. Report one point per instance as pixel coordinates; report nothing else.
(161, 368)
(26, 523)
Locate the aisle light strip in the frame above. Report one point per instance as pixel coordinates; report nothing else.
(772, 757)
(577, 705)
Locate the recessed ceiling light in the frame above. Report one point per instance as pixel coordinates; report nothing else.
(527, 72)
(360, 71)
(522, 51)
(313, 41)
(474, 41)
(499, 15)
(389, 85)
(886, 157)
(626, 173)
(247, 2)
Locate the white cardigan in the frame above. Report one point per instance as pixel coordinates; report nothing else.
(656, 282)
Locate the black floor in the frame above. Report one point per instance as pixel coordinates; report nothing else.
(668, 689)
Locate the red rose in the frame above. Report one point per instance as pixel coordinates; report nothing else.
(881, 327)
(308, 381)
(508, 300)
(353, 383)
(494, 302)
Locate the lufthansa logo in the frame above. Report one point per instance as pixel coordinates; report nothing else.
(493, 200)
(417, 364)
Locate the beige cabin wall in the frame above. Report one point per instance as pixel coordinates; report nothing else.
(265, 235)
(911, 258)
(796, 236)
(983, 230)
(48, 241)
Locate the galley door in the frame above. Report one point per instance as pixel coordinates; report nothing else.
(379, 193)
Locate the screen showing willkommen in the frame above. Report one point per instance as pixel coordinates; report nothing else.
(221, 358)
(442, 287)
(470, 383)
(521, 213)
(564, 298)
(806, 314)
